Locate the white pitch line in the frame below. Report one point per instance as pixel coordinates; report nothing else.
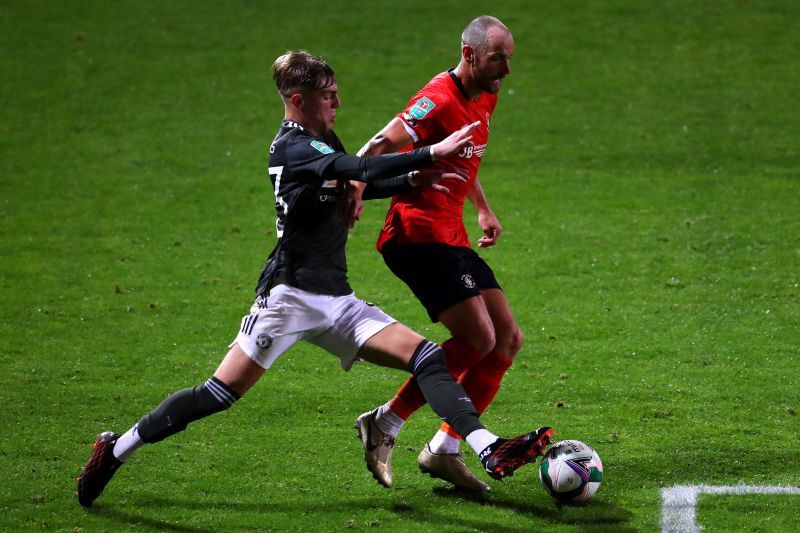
(679, 503)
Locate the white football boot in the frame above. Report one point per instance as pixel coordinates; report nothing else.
(378, 447)
(451, 468)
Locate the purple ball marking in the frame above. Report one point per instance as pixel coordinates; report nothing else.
(582, 472)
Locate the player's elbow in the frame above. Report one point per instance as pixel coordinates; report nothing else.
(376, 146)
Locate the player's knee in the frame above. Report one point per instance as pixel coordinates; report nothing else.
(427, 356)
(481, 339)
(510, 343)
(509, 340)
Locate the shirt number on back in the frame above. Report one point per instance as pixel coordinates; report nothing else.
(280, 204)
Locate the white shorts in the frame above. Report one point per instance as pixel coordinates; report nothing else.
(339, 324)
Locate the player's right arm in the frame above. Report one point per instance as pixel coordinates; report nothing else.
(391, 138)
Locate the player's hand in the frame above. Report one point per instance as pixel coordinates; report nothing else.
(432, 177)
(491, 229)
(350, 205)
(455, 142)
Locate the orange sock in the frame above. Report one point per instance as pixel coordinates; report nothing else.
(481, 383)
(409, 398)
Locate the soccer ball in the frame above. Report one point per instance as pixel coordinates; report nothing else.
(571, 471)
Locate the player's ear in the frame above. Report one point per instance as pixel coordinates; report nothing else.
(297, 100)
(468, 53)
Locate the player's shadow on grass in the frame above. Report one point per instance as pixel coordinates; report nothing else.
(158, 502)
(595, 515)
(140, 520)
(151, 505)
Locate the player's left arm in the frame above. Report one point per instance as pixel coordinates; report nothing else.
(426, 177)
(487, 221)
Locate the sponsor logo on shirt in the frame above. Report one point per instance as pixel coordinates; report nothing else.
(470, 151)
(421, 108)
(321, 147)
(327, 195)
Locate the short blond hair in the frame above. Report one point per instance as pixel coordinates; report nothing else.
(296, 72)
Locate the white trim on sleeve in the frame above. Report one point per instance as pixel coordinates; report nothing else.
(410, 131)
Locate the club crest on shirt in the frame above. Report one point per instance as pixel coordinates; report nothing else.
(468, 282)
(421, 108)
(264, 341)
(321, 147)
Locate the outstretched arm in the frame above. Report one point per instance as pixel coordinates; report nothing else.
(391, 138)
(383, 166)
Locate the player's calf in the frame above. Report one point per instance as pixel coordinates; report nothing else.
(185, 406)
(446, 397)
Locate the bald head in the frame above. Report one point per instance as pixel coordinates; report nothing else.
(486, 48)
(476, 34)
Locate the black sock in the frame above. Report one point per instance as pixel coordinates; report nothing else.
(183, 407)
(446, 397)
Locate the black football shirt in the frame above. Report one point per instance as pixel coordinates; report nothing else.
(310, 252)
(306, 173)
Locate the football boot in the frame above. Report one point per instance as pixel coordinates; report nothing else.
(98, 471)
(451, 468)
(378, 448)
(504, 456)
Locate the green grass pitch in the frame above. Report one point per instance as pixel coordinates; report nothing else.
(644, 162)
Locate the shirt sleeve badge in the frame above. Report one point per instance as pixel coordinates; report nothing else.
(321, 147)
(421, 107)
